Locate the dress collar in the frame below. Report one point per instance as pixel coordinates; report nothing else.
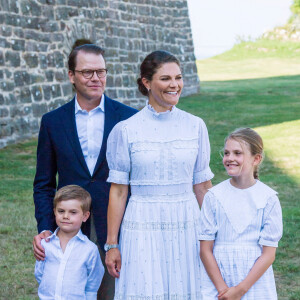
(161, 115)
(241, 205)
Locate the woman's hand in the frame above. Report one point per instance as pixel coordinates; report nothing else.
(113, 262)
(232, 293)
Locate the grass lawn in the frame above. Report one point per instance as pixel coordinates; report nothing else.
(263, 97)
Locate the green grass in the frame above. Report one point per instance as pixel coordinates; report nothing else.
(245, 87)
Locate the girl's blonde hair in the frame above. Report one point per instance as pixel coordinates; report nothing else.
(252, 139)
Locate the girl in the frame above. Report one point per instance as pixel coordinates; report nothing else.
(241, 224)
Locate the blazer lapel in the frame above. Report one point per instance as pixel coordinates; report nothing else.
(69, 123)
(111, 118)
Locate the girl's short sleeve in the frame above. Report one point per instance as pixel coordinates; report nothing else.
(202, 171)
(208, 220)
(271, 231)
(117, 155)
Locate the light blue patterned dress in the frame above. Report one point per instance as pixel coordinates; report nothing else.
(161, 156)
(240, 221)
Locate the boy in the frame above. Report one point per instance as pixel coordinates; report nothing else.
(72, 268)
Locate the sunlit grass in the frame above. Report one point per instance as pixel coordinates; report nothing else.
(282, 146)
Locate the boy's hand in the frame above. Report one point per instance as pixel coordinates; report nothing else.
(38, 250)
(113, 262)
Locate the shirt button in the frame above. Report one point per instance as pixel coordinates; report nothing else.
(93, 180)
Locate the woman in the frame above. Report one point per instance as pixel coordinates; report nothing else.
(161, 152)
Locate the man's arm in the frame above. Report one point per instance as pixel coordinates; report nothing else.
(44, 188)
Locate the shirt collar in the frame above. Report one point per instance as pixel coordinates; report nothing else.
(100, 106)
(79, 234)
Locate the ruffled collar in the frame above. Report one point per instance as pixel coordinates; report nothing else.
(160, 115)
(241, 205)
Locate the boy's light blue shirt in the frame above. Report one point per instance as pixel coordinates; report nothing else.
(73, 274)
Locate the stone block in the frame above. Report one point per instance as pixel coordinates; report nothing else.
(59, 59)
(36, 78)
(11, 99)
(1, 58)
(37, 36)
(1, 99)
(1, 74)
(60, 76)
(55, 90)
(19, 111)
(67, 89)
(25, 95)
(4, 43)
(3, 112)
(38, 109)
(13, 6)
(6, 129)
(55, 104)
(18, 45)
(49, 75)
(5, 30)
(19, 32)
(48, 12)
(51, 60)
(31, 60)
(47, 92)
(8, 73)
(29, 7)
(7, 86)
(77, 3)
(33, 46)
(21, 78)
(43, 61)
(36, 92)
(50, 26)
(64, 13)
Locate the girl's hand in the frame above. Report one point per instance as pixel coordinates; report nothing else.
(232, 293)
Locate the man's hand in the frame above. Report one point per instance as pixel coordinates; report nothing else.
(113, 262)
(38, 250)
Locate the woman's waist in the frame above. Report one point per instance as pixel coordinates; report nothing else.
(173, 190)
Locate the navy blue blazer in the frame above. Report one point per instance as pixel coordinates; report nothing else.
(59, 157)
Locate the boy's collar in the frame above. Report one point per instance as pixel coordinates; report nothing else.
(79, 234)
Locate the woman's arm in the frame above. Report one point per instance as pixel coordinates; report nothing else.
(201, 189)
(211, 266)
(116, 207)
(260, 267)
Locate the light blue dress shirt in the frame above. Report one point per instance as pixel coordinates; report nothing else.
(70, 275)
(90, 128)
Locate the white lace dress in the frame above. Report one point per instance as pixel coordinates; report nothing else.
(161, 156)
(240, 221)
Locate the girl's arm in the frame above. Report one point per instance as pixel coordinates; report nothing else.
(116, 207)
(260, 267)
(211, 266)
(201, 189)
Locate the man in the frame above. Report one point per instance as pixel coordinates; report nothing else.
(72, 145)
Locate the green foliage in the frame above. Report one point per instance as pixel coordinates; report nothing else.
(296, 7)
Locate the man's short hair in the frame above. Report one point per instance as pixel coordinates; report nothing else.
(88, 48)
(73, 192)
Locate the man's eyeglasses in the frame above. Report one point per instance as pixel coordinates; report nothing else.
(88, 74)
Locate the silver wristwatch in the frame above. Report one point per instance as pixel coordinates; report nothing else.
(110, 246)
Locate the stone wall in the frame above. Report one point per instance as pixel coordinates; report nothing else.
(36, 37)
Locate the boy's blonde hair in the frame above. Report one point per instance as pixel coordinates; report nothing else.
(251, 138)
(71, 192)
